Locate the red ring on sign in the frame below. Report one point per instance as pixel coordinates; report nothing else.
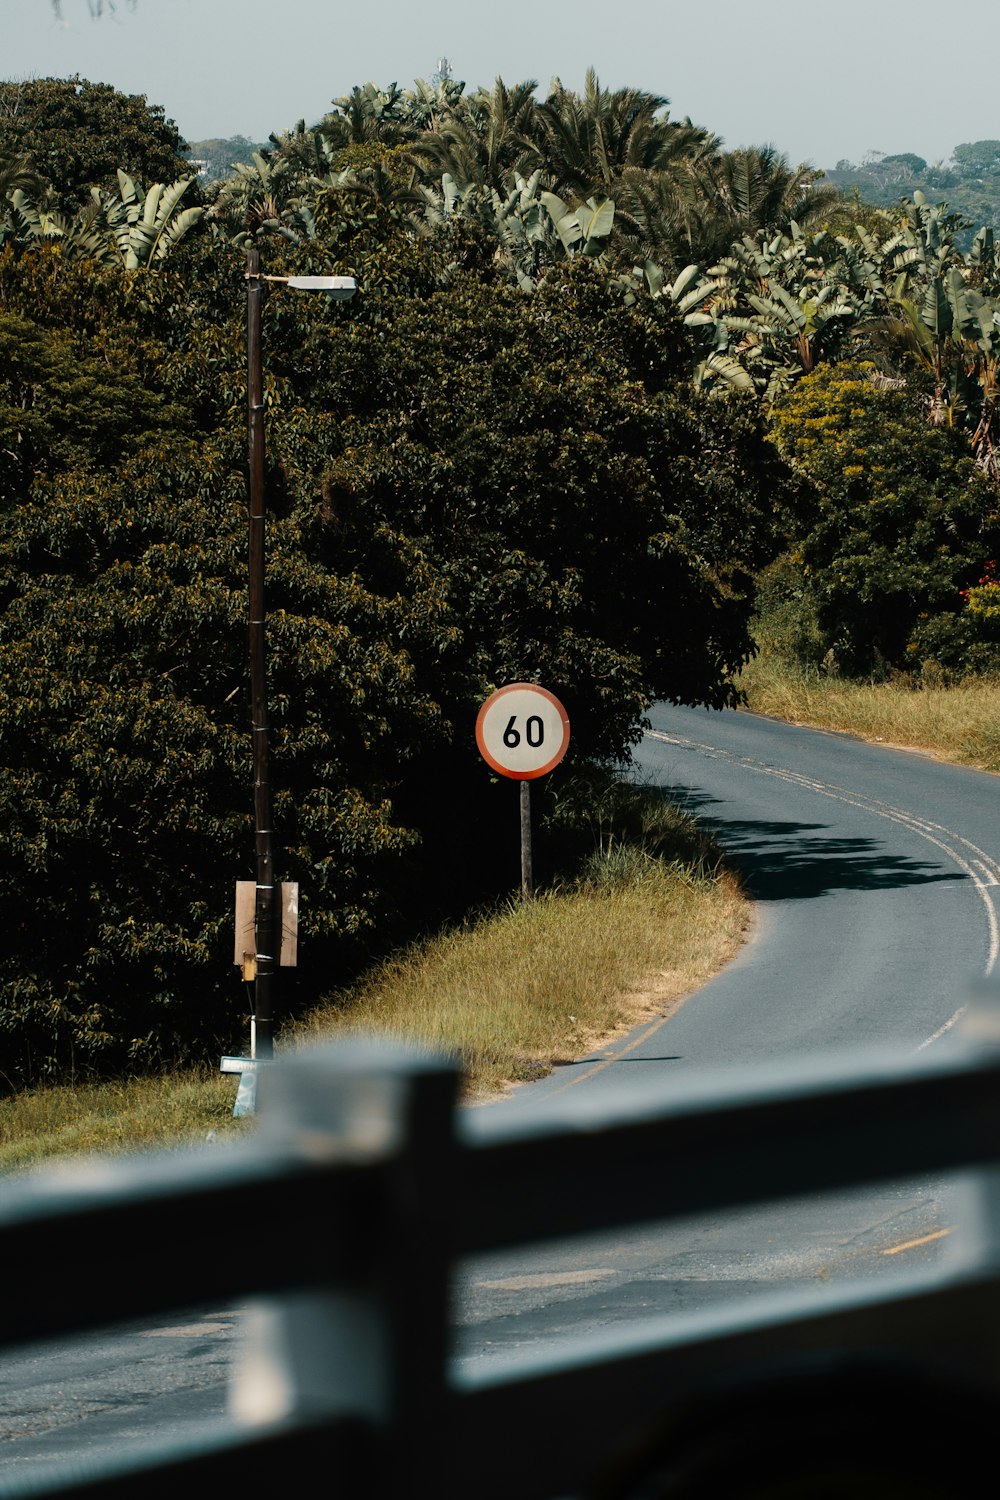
(490, 759)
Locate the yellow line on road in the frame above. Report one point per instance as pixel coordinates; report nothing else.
(926, 1239)
(614, 1056)
(545, 1279)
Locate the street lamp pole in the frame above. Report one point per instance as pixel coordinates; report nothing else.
(267, 939)
(265, 925)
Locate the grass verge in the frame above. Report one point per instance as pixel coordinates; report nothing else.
(651, 916)
(545, 981)
(960, 722)
(115, 1118)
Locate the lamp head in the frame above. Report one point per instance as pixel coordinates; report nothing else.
(340, 288)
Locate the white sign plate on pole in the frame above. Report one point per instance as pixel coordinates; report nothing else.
(522, 731)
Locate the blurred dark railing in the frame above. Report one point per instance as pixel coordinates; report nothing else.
(344, 1216)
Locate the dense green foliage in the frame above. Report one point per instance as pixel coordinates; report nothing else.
(76, 135)
(969, 180)
(594, 522)
(900, 522)
(593, 382)
(466, 486)
(122, 726)
(216, 156)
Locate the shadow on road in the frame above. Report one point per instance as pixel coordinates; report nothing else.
(789, 861)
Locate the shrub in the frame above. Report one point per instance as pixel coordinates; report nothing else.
(894, 521)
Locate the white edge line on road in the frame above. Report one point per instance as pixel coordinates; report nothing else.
(989, 867)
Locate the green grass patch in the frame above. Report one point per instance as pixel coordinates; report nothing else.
(115, 1118)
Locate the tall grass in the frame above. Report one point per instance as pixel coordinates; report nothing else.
(959, 721)
(649, 917)
(114, 1118)
(547, 980)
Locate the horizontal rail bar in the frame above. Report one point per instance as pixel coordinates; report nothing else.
(571, 1414)
(726, 1142)
(256, 1463)
(71, 1247)
(853, 1121)
(363, 1181)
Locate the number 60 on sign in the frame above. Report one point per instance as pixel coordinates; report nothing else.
(522, 731)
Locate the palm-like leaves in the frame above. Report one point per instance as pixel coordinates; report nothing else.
(938, 318)
(774, 306)
(29, 221)
(622, 145)
(17, 175)
(584, 230)
(591, 140)
(259, 194)
(533, 228)
(370, 114)
(145, 227)
(488, 139)
(308, 153)
(755, 190)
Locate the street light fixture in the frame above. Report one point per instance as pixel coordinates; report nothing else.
(266, 908)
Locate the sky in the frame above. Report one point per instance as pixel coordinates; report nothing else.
(820, 82)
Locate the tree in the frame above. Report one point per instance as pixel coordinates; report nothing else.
(755, 190)
(977, 158)
(907, 162)
(77, 134)
(621, 144)
(600, 145)
(215, 157)
(895, 520)
(124, 760)
(487, 138)
(63, 407)
(938, 322)
(592, 140)
(145, 227)
(544, 499)
(776, 306)
(545, 458)
(370, 115)
(16, 174)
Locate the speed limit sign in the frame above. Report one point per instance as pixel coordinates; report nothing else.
(522, 731)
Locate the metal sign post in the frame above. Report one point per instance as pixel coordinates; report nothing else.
(523, 732)
(527, 886)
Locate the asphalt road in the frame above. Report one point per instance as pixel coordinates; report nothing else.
(60, 1403)
(876, 878)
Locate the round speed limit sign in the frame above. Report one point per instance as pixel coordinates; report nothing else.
(522, 731)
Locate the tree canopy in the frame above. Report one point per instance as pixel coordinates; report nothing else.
(76, 135)
(900, 521)
(598, 375)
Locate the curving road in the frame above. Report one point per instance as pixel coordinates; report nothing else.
(877, 880)
(876, 874)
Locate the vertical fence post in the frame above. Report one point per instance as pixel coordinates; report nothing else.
(375, 1350)
(978, 1239)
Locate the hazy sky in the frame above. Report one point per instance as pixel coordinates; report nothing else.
(819, 81)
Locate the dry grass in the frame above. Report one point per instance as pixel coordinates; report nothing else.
(545, 981)
(959, 722)
(651, 918)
